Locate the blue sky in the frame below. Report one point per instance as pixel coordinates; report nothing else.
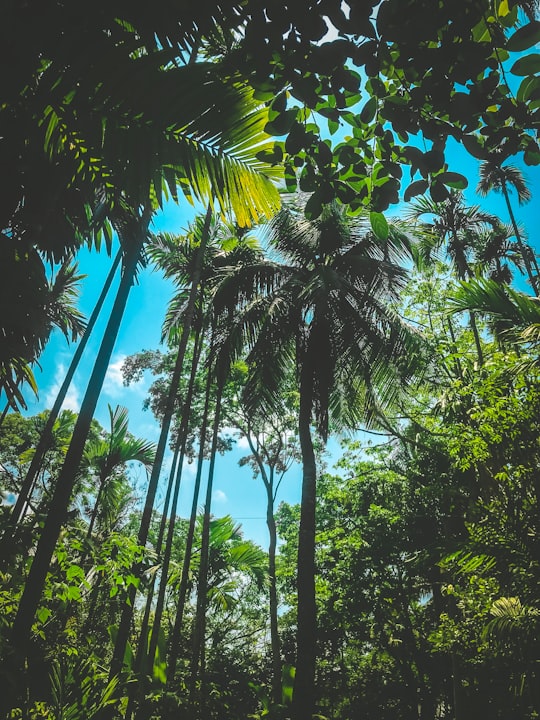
(236, 492)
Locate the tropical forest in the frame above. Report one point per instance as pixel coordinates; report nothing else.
(270, 360)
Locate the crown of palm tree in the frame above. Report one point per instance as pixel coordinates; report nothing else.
(494, 176)
(324, 309)
(119, 447)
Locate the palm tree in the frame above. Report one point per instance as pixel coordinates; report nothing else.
(221, 140)
(495, 176)
(46, 435)
(105, 455)
(515, 316)
(325, 312)
(492, 250)
(31, 307)
(456, 225)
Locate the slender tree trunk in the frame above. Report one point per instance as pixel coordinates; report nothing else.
(174, 640)
(268, 481)
(522, 249)
(143, 638)
(20, 635)
(4, 412)
(303, 705)
(43, 445)
(138, 689)
(127, 610)
(476, 335)
(273, 601)
(199, 625)
(95, 508)
(158, 612)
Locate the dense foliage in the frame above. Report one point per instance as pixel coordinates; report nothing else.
(405, 584)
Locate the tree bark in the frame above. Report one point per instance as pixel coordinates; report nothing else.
(303, 705)
(127, 610)
(20, 635)
(43, 445)
(273, 601)
(158, 612)
(174, 640)
(199, 625)
(521, 245)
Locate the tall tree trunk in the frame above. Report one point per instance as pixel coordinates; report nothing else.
(95, 509)
(44, 443)
(476, 335)
(303, 705)
(272, 592)
(127, 610)
(268, 481)
(137, 689)
(174, 640)
(199, 625)
(20, 635)
(522, 249)
(158, 612)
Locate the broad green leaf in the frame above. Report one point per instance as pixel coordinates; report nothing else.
(504, 9)
(525, 37)
(333, 126)
(531, 157)
(454, 180)
(379, 225)
(416, 188)
(282, 123)
(314, 206)
(43, 614)
(438, 192)
(528, 65)
(527, 87)
(368, 111)
(474, 145)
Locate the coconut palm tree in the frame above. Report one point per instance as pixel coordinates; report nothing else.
(495, 176)
(273, 449)
(455, 226)
(324, 311)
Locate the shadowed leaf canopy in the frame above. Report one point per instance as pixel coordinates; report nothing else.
(323, 307)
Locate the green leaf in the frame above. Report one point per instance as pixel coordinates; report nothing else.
(282, 123)
(475, 146)
(525, 37)
(528, 65)
(74, 571)
(531, 157)
(438, 192)
(527, 87)
(379, 225)
(368, 111)
(454, 180)
(416, 188)
(333, 126)
(314, 206)
(43, 614)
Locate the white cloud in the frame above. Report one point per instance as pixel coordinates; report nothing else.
(113, 384)
(241, 440)
(219, 496)
(72, 401)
